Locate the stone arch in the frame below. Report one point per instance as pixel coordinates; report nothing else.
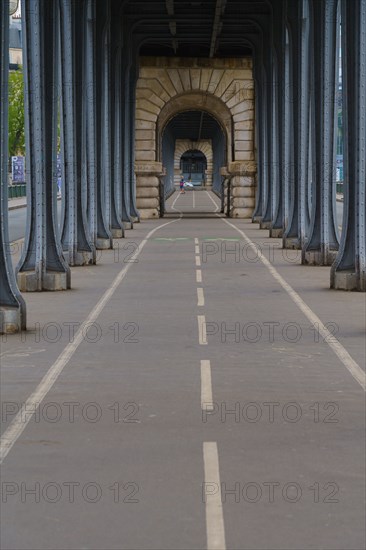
(222, 87)
(196, 101)
(183, 145)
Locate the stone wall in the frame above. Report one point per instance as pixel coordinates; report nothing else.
(222, 87)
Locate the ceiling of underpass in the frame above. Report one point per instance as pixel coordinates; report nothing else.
(193, 125)
(206, 28)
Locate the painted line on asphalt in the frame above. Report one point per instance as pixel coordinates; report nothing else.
(350, 364)
(206, 386)
(21, 420)
(197, 249)
(196, 241)
(198, 261)
(216, 209)
(198, 276)
(214, 513)
(200, 297)
(175, 200)
(202, 334)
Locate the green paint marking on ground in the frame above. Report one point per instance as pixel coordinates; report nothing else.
(220, 239)
(171, 239)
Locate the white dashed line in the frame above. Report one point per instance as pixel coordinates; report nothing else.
(198, 261)
(198, 276)
(206, 386)
(200, 297)
(202, 334)
(212, 496)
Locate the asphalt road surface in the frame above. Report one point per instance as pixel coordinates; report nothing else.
(188, 393)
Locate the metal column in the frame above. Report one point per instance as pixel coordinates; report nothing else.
(298, 25)
(132, 103)
(349, 269)
(75, 240)
(268, 207)
(42, 266)
(12, 306)
(322, 243)
(102, 126)
(279, 122)
(116, 224)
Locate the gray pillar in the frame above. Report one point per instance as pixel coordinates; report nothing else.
(298, 25)
(12, 306)
(126, 142)
(116, 224)
(279, 122)
(349, 269)
(42, 266)
(75, 239)
(322, 242)
(259, 131)
(133, 81)
(102, 126)
(268, 207)
(90, 126)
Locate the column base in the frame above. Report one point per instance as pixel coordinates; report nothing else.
(28, 281)
(81, 257)
(117, 233)
(346, 280)
(317, 257)
(11, 320)
(276, 233)
(265, 225)
(103, 244)
(291, 243)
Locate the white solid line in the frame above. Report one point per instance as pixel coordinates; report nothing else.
(214, 514)
(200, 297)
(196, 241)
(198, 276)
(198, 261)
(175, 200)
(206, 386)
(22, 419)
(202, 335)
(197, 249)
(350, 364)
(216, 209)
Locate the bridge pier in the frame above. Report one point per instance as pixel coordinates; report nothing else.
(42, 266)
(349, 269)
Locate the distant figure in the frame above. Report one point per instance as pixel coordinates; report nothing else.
(181, 185)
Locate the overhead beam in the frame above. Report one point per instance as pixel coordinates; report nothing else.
(217, 24)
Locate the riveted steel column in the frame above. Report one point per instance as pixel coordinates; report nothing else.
(298, 25)
(12, 306)
(279, 41)
(116, 224)
(125, 93)
(90, 127)
(42, 266)
(132, 103)
(322, 243)
(268, 208)
(259, 133)
(74, 237)
(349, 269)
(101, 44)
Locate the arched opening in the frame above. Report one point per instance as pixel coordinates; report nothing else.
(193, 167)
(193, 145)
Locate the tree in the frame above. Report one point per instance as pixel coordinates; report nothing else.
(16, 113)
